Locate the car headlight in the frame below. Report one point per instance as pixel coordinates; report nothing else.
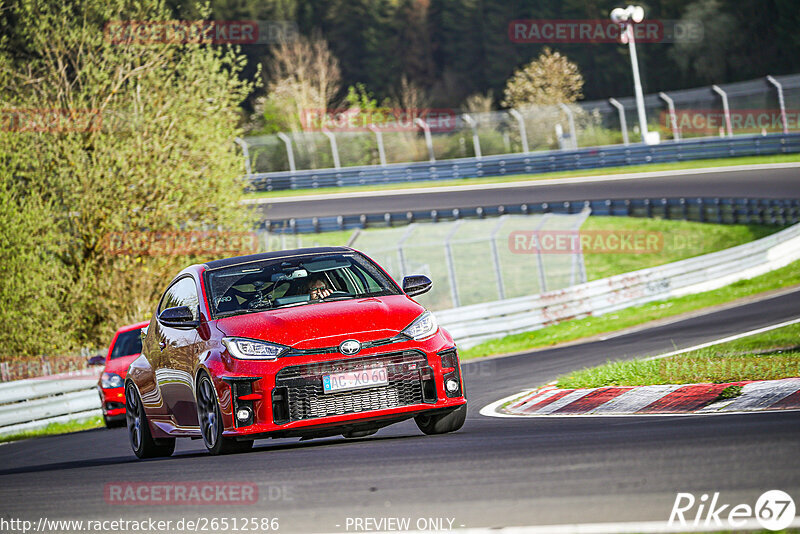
(110, 380)
(252, 349)
(423, 326)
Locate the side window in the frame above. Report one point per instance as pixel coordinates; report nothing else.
(181, 293)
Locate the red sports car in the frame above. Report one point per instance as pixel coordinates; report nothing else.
(125, 347)
(302, 343)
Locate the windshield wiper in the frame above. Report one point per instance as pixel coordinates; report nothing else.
(241, 312)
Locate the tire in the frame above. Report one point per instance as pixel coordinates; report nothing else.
(442, 423)
(113, 423)
(210, 418)
(143, 443)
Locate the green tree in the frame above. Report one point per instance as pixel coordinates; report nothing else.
(34, 280)
(152, 152)
(549, 80)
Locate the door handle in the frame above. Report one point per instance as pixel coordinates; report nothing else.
(162, 345)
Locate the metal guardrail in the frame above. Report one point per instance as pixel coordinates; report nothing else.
(474, 324)
(35, 403)
(719, 210)
(530, 163)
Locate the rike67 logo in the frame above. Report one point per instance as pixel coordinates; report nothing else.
(773, 510)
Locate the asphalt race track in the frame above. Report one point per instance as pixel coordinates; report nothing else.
(762, 183)
(494, 472)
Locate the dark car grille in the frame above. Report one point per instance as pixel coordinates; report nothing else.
(307, 400)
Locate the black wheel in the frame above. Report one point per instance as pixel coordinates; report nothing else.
(210, 417)
(143, 443)
(442, 423)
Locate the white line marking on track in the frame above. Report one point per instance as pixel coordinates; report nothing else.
(523, 183)
(725, 339)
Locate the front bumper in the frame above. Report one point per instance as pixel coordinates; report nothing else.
(285, 398)
(112, 402)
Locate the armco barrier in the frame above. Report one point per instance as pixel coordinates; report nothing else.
(35, 403)
(717, 210)
(530, 163)
(473, 324)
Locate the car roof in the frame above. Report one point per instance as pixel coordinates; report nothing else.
(134, 326)
(251, 258)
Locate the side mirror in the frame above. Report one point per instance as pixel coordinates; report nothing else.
(96, 360)
(178, 317)
(416, 284)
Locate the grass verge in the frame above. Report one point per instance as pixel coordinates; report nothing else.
(699, 164)
(637, 315)
(679, 240)
(765, 356)
(57, 428)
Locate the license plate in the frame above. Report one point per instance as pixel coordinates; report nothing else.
(354, 380)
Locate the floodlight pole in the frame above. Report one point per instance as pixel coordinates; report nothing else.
(626, 17)
(637, 83)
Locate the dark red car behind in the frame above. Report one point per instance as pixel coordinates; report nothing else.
(125, 347)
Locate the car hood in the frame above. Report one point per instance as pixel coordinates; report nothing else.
(120, 365)
(326, 324)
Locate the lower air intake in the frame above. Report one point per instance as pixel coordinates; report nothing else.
(307, 399)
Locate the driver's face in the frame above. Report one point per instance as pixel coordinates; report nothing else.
(318, 284)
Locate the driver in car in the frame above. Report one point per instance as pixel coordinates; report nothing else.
(318, 288)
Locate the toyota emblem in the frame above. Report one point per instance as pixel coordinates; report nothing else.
(350, 347)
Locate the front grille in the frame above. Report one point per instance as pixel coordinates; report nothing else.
(331, 350)
(307, 400)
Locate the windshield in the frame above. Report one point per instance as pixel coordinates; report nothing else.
(128, 343)
(294, 281)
